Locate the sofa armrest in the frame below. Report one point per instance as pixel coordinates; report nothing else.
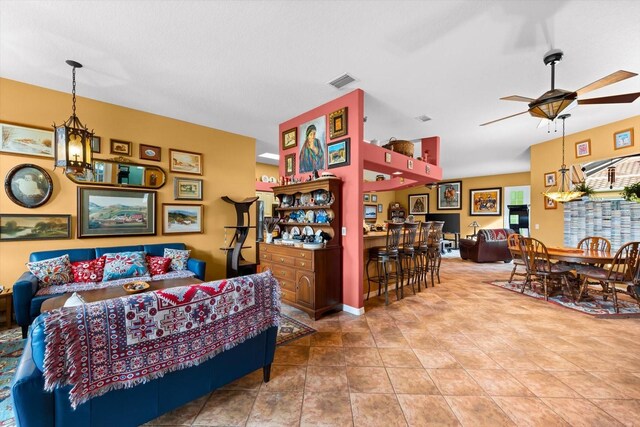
(31, 404)
(197, 266)
(23, 291)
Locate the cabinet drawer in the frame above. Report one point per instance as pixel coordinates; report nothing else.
(265, 256)
(304, 263)
(288, 295)
(281, 272)
(264, 266)
(287, 284)
(281, 260)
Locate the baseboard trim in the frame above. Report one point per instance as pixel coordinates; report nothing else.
(353, 310)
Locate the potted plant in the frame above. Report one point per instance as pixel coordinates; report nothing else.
(584, 188)
(631, 192)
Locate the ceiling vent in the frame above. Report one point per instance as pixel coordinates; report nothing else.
(423, 118)
(342, 81)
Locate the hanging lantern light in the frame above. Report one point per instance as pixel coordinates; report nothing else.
(72, 145)
(563, 192)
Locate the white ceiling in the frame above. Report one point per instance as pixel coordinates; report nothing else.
(246, 66)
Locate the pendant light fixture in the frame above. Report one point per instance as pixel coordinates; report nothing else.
(72, 139)
(563, 192)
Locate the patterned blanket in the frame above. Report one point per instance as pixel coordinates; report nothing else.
(122, 342)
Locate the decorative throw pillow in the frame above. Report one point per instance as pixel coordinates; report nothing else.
(158, 264)
(178, 257)
(120, 265)
(88, 271)
(52, 271)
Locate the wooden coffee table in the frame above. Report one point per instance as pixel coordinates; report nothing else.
(115, 292)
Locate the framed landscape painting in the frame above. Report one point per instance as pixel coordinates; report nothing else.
(28, 141)
(485, 202)
(115, 212)
(187, 189)
(185, 162)
(338, 153)
(450, 195)
(14, 227)
(122, 148)
(181, 219)
(418, 204)
(289, 138)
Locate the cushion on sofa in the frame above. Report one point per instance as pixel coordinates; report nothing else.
(88, 271)
(120, 265)
(158, 264)
(52, 271)
(178, 257)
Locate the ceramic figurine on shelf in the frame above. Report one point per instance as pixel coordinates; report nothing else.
(316, 175)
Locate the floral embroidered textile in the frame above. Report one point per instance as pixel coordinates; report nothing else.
(88, 271)
(178, 257)
(124, 264)
(53, 271)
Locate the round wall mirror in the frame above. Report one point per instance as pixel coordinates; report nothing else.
(121, 173)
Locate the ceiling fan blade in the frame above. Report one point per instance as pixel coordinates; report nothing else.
(606, 81)
(504, 118)
(517, 98)
(615, 99)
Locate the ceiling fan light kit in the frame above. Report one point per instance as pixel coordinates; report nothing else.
(555, 101)
(563, 192)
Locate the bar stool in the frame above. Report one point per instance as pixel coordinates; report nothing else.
(383, 256)
(421, 249)
(407, 255)
(434, 255)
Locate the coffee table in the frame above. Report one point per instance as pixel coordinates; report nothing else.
(115, 292)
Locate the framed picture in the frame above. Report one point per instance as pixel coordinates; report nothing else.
(387, 157)
(338, 153)
(185, 162)
(289, 138)
(367, 198)
(370, 212)
(418, 204)
(410, 164)
(583, 149)
(485, 202)
(181, 219)
(150, 152)
(28, 185)
(115, 212)
(550, 203)
(450, 195)
(338, 123)
(15, 227)
(95, 144)
(30, 141)
(374, 197)
(380, 208)
(313, 146)
(549, 179)
(290, 164)
(623, 139)
(122, 148)
(187, 189)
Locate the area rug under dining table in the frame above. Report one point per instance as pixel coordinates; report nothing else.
(594, 305)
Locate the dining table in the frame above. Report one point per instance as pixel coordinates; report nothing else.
(580, 256)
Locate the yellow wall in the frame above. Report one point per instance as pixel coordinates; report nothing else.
(506, 180)
(265, 169)
(547, 157)
(384, 198)
(224, 174)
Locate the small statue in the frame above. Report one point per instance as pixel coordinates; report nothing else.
(316, 175)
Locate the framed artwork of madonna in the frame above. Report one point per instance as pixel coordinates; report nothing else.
(313, 145)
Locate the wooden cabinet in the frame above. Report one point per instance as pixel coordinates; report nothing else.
(396, 211)
(310, 279)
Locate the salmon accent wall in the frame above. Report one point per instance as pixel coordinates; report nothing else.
(547, 157)
(228, 165)
(352, 207)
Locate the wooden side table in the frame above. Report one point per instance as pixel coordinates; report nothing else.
(7, 296)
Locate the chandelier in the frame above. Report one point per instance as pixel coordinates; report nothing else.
(72, 145)
(563, 192)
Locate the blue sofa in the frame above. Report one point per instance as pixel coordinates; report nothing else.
(34, 407)
(27, 305)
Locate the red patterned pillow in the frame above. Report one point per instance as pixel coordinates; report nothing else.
(88, 271)
(158, 264)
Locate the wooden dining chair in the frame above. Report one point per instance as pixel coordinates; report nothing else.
(513, 243)
(623, 270)
(536, 258)
(595, 243)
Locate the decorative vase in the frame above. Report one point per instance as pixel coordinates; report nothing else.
(268, 238)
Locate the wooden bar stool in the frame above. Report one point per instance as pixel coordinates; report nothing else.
(421, 249)
(383, 256)
(407, 255)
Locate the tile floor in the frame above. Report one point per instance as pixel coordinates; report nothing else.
(461, 353)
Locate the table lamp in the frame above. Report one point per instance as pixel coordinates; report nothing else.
(475, 225)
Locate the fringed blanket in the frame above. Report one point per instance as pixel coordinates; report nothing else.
(89, 286)
(122, 342)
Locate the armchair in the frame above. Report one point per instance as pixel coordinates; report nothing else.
(490, 246)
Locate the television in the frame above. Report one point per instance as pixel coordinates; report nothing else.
(451, 221)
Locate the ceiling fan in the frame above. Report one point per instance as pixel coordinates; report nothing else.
(553, 102)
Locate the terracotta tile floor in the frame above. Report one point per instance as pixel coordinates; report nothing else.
(460, 353)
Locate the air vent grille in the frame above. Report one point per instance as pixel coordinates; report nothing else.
(342, 81)
(423, 118)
